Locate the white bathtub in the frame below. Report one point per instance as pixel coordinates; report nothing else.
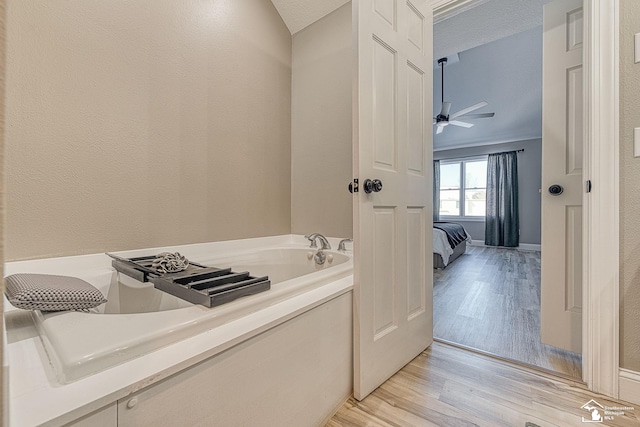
(138, 319)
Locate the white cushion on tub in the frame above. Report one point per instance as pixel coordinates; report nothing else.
(51, 293)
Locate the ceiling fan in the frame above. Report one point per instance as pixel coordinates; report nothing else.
(443, 119)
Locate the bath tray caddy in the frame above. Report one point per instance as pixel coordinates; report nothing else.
(198, 284)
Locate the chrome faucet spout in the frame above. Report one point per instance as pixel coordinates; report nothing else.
(341, 247)
(312, 239)
(323, 241)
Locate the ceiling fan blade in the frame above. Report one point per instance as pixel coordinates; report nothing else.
(446, 106)
(477, 116)
(439, 129)
(461, 124)
(468, 110)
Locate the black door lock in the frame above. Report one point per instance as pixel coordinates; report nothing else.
(372, 185)
(556, 190)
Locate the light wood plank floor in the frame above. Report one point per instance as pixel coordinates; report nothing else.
(446, 386)
(489, 299)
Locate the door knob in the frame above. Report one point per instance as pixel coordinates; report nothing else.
(372, 185)
(556, 190)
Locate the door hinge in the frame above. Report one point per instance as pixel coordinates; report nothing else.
(588, 186)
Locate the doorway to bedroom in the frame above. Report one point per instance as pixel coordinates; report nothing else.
(491, 204)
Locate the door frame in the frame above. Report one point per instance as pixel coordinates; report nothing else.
(601, 264)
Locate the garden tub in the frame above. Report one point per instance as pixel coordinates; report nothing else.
(138, 319)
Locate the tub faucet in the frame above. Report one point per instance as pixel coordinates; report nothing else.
(341, 247)
(323, 241)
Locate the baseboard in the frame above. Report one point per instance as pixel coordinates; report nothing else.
(337, 408)
(629, 386)
(529, 247)
(522, 247)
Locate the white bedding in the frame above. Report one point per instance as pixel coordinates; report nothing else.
(441, 244)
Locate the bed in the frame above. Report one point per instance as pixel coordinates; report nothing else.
(449, 242)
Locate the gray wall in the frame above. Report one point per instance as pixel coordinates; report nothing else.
(145, 123)
(629, 190)
(321, 127)
(529, 181)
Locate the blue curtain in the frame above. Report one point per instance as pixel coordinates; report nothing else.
(436, 190)
(502, 226)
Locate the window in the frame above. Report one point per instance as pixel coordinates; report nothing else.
(463, 187)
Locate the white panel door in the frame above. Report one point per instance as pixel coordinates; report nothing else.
(562, 155)
(393, 231)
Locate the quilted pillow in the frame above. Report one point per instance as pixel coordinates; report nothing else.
(51, 293)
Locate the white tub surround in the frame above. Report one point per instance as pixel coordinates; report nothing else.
(138, 318)
(128, 353)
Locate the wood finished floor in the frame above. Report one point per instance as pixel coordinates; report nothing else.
(489, 299)
(447, 386)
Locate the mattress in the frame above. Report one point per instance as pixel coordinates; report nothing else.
(442, 247)
(459, 250)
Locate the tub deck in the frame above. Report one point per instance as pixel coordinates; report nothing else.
(33, 381)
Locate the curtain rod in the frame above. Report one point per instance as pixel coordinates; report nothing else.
(478, 155)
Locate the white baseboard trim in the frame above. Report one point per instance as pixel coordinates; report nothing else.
(529, 247)
(629, 386)
(522, 247)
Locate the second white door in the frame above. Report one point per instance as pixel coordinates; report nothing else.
(562, 160)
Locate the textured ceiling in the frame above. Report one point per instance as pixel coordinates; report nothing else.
(298, 14)
(485, 23)
(455, 8)
(472, 24)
